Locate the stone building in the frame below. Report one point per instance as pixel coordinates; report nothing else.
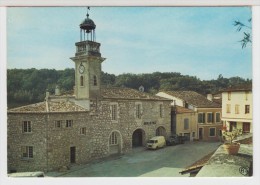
(208, 113)
(93, 122)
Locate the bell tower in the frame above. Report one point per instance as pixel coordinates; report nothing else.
(87, 61)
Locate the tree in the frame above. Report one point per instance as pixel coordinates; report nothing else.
(247, 38)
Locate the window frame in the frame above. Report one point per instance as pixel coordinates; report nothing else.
(69, 123)
(113, 140)
(218, 113)
(186, 124)
(27, 127)
(81, 81)
(247, 109)
(214, 131)
(228, 108)
(27, 152)
(138, 111)
(58, 122)
(212, 117)
(83, 131)
(95, 80)
(114, 112)
(203, 118)
(229, 95)
(161, 110)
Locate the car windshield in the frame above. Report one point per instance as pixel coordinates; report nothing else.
(151, 141)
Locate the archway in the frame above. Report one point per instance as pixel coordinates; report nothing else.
(138, 138)
(161, 131)
(115, 142)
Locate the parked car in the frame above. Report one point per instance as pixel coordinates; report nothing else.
(175, 139)
(156, 142)
(27, 174)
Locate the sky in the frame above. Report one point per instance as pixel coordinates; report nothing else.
(195, 41)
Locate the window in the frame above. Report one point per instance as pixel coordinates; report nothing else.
(218, 117)
(81, 81)
(237, 109)
(113, 139)
(69, 123)
(193, 134)
(186, 124)
(58, 123)
(114, 112)
(138, 111)
(27, 152)
(95, 80)
(83, 131)
(212, 132)
(229, 95)
(247, 109)
(246, 95)
(210, 117)
(27, 126)
(201, 118)
(161, 110)
(228, 108)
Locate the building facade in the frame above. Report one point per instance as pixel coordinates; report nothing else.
(208, 113)
(237, 108)
(184, 122)
(93, 122)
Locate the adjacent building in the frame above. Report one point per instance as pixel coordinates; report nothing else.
(184, 122)
(208, 114)
(237, 105)
(91, 123)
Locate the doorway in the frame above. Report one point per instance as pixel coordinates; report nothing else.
(72, 154)
(200, 133)
(137, 138)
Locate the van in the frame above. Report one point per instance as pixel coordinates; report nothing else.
(156, 142)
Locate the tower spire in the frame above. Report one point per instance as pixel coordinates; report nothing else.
(87, 27)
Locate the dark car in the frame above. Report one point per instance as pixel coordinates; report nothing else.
(175, 139)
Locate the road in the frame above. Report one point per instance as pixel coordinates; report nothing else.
(166, 162)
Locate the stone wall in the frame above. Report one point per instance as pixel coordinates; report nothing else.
(52, 144)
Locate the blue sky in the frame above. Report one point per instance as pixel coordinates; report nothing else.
(196, 41)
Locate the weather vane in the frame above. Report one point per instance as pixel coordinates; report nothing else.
(88, 8)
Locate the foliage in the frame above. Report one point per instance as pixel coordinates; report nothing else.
(247, 38)
(230, 136)
(25, 86)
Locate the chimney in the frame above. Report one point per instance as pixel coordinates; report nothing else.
(47, 95)
(210, 97)
(57, 90)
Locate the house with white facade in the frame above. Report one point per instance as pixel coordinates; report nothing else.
(237, 108)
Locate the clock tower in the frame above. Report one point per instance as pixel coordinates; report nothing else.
(87, 61)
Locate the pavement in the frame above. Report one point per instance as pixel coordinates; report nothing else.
(165, 162)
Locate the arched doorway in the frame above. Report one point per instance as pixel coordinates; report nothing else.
(138, 138)
(115, 142)
(160, 131)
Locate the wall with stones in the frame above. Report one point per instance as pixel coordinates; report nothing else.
(52, 144)
(16, 139)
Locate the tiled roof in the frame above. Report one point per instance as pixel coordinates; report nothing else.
(127, 93)
(194, 98)
(198, 164)
(181, 110)
(51, 106)
(242, 87)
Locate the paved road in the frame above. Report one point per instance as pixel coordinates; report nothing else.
(167, 162)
